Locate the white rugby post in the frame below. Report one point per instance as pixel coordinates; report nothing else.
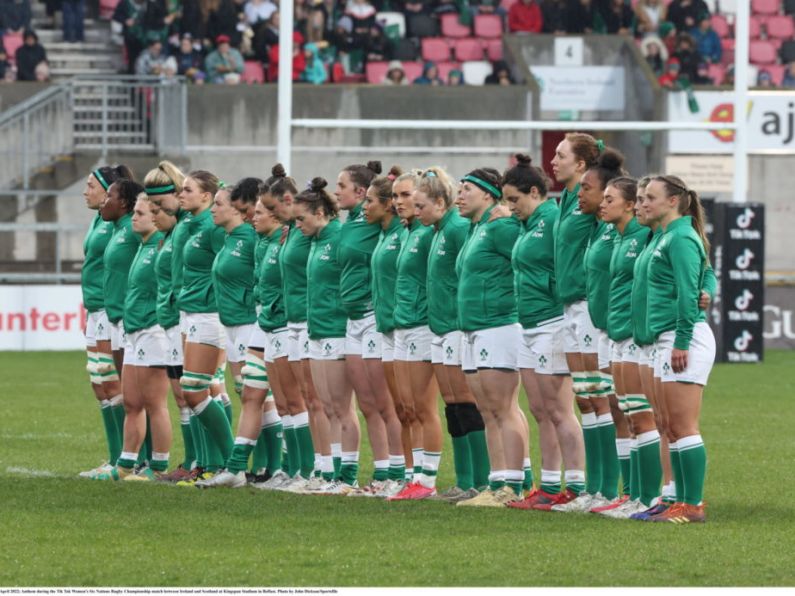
(741, 44)
(285, 83)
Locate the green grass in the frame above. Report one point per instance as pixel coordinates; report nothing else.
(59, 530)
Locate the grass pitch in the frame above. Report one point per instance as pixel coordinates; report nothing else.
(56, 529)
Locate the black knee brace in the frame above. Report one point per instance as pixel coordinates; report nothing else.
(174, 372)
(470, 418)
(453, 421)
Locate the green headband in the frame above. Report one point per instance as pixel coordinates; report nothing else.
(101, 179)
(600, 145)
(154, 191)
(483, 185)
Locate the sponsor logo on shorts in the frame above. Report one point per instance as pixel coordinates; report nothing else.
(277, 345)
(192, 330)
(666, 368)
(141, 354)
(449, 352)
(542, 361)
(371, 347)
(412, 348)
(484, 354)
(587, 340)
(241, 349)
(327, 349)
(306, 347)
(632, 349)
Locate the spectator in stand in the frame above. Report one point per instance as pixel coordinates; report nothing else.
(74, 13)
(552, 12)
(500, 74)
(525, 16)
(259, 11)
(299, 61)
(129, 14)
(765, 80)
(670, 78)
(377, 49)
(29, 55)
(702, 75)
(687, 55)
(42, 72)
(429, 76)
(6, 69)
(686, 14)
(445, 6)
(455, 78)
(224, 20)
(618, 17)
(579, 16)
(266, 35)
(788, 82)
(653, 49)
(707, 40)
(190, 61)
(649, 15)
(362, 14)
(315, 70)
(411, 7)
(156, 20)
(317, 17)
(477, 7)
(150, 62)
(395, 75)
(668, 36)
(342, 40)
(14, 16)
(225, 63)
(195, 14)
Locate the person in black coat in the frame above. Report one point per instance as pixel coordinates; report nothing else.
(14, 15)
(29, 55)
(578, 16)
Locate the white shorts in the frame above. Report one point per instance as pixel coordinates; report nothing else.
(492, 348)
(97, 328)
(297, 342)
(237, 340)
(626, 351)
(580, 335)
(361, 338)
(387, 346)
(147, 347)
(541, 349)
(605, 350)
(413, 345)
(644, 358)
(446, 349)
(174, 355)
(183, 322)
(205, 328)
(277, 343)
(118, 339)
(330, 348)
(258, 339)
(700, 356)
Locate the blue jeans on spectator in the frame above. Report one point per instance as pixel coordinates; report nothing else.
(74, 12)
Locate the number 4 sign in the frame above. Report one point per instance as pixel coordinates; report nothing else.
(568, 51)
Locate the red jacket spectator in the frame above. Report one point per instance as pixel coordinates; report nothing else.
(525, 16)
(299, 60)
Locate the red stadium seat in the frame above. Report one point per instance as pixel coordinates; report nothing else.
(506, 4)
(445, 68)
(777, 72)
(413, 70)
(780, 27)
(721, 25)
(762, 52)
(376, 71)
(253, 72)
(12, 42)
(468, 49)
(494, 49)
(765, 6)
(716, 73)
(488, 25)
(755, 27)
(452, 28)
(435, 49)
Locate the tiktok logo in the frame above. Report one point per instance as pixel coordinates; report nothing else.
(744, 301)
(744, 219)
(741, 343)
(744, 260)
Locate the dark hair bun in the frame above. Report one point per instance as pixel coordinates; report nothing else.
(523, 160)
(123, 171)
(278, 171)
(374, 166)
(395, 171)
(610, 159)
(318, 184)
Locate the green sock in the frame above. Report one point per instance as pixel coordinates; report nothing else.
(607, 448)
(145, 452)
(480, 457)
(515, 486)
(111, 432)
(462, 462)
(349, 470)
(622, 449)
(199, 446)
(214, 459)
(397, 468)
(593, 455)
(273, 439)
(693, 463)
(550, 481)
(285, 454)
(241, 451)
(676, 469)
(380, 473)
(650, 466)
(158, 465)
(634, 473)
(227, 405)
(259, 458)
(217, 425)
(187, 438)
(527, 475)
(118, 416)
(126, 460)
(575, 481)
(306, 449)
(293, 451)
(496, 484)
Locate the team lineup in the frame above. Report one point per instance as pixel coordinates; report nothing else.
(431, 286)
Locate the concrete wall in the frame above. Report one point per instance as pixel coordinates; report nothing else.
(13, 93)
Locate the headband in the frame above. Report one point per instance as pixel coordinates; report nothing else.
(98, 175)
(483, 185)
(154, 191)
(600, 145)
(429, 174)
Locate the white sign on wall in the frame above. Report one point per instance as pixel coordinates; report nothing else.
(41, 318)
(568, 51)
(583, 88)
(771, 122)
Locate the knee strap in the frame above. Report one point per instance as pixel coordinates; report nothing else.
(637, 403)
(239, 384)
(174, 372)
(106, 368)
(219, 377)
(195, 382)
(255, 374)
(470, 418)
(454, 426)
(622, 403)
